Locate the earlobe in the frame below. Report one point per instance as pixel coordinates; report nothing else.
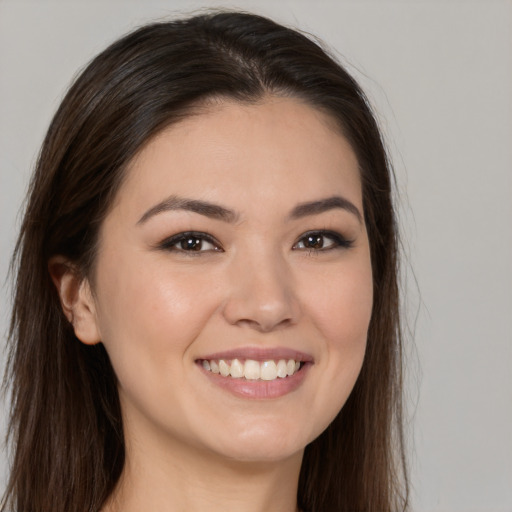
(76, 299)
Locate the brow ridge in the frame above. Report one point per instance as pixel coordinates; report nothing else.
(224, 214)
(323, 205)
(192, 205)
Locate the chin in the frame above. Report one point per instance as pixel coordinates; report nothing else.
(259, 454)
(263, 445)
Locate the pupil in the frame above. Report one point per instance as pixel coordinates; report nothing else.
(315, 241)
(193, 244)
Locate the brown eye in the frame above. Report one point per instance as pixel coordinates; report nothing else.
(314, 242)
(322, 241)
(191, 242)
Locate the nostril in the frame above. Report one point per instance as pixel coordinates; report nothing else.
(265, 325)
(263, 300)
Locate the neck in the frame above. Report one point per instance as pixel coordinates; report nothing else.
(185, 478)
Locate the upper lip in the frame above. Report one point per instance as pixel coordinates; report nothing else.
(260, 354)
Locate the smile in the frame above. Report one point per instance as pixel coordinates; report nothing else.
(255, 373)
(251, 369)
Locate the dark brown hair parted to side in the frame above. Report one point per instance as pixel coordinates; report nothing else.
(66, 428)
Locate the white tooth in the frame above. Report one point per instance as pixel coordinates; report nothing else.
(281, 369)
(237, 369)
(251, 369)
(206, 364)
(297, 366)
(268, 370)
(223, 368)
(290, 367)
(214, 366)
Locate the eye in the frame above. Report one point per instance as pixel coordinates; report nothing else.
(190, 242)
(322, 241)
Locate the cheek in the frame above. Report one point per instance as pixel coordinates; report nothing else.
(342, 306)
(149, 313)
(339, 306)
(342, 314)
(149, 317)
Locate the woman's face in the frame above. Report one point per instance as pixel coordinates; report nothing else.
(239, 236)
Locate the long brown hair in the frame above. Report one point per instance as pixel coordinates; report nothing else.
(65, 426)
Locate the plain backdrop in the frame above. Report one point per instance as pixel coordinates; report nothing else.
(439, 74)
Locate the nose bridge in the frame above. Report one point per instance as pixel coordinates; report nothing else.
(261, 290)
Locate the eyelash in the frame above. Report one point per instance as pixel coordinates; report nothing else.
(339, 241)
(169, 244)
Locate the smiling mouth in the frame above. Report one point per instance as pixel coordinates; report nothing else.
(252, 370)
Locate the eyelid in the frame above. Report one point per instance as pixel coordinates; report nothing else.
(341, 242)
(169, 243)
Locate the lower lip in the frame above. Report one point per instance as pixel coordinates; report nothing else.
(259, 389)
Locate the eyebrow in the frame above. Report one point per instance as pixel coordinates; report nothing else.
(324, 205)
(205, 208)
(217, 212)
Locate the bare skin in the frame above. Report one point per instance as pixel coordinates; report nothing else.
(213, 485)
(237, 231)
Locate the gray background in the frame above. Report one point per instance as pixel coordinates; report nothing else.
(440, 76)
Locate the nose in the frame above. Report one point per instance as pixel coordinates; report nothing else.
(261, 294)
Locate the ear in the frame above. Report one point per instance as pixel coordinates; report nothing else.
(76, 299)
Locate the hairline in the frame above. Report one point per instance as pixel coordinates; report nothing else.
(203, 106)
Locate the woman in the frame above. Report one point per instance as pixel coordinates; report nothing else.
(206, 312)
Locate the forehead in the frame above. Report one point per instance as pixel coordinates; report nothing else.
(272, 150)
